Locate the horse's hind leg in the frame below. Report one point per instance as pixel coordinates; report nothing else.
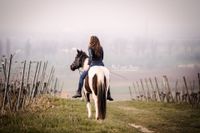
(88, 105)
(96, 106)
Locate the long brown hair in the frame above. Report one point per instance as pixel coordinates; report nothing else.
(95, 45)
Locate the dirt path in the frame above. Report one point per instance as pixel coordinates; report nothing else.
(140, 128)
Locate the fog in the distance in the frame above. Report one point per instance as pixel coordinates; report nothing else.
(140, 38)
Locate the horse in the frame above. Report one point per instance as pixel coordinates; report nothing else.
(95, 83)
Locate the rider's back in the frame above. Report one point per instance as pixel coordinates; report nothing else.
(95, 60)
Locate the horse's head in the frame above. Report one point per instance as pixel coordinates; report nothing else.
(79, 60)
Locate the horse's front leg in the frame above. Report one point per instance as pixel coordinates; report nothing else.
(88, 105)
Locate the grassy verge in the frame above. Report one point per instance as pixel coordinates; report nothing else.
(70, 116)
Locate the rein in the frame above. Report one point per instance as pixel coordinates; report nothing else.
(119, 75)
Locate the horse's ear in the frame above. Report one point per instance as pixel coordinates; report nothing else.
(78, 51)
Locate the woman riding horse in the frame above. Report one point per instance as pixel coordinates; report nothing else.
(95, 59)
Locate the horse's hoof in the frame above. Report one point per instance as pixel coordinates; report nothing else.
(89, 117)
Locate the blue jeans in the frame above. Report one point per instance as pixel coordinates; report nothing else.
(84, 74)
(81, 80)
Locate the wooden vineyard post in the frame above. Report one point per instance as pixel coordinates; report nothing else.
(50, 79)
(148, 93)
(163, 93)
(130, 92)
(199, 81)
(198, 102)
(186, 87)
(164, 85)
(21, 88)
(136, 91)
(33, 84)
(36, 80)
(177, 94)
(140, 93)
(19, 85)
(144, 94)
(55, 86)
(27, 85)
(7, 100)
(183, 96)
(193, 95)
(43, 77)
(37, 83)
(28, 77)
(53, 82)
(5, 70)
(169, 93)
(154, 92)
(192, 86)
(157, 87)
(7, 83)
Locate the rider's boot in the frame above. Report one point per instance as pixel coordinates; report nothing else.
(109, 96)
(78, 94)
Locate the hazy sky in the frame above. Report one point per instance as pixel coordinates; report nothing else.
(155, 18)
(132, 29)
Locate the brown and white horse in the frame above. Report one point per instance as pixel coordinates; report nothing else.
(95, 83)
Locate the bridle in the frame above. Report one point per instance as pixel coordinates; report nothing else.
(81, 59)
(80, 72)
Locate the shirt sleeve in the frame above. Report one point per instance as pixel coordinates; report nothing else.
(90, 56)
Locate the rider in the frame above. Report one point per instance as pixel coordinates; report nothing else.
(95, 59)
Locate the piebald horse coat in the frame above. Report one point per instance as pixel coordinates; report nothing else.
(96, 83)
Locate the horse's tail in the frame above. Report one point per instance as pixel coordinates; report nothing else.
(101, 96)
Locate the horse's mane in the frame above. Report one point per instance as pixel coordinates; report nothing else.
(83, 54)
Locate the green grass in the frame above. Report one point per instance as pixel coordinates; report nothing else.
(71, 116)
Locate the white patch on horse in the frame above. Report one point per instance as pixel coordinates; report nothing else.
(101, 72)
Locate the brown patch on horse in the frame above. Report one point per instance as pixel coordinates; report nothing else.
(94, 84)
(105, 83)
(87, 87)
